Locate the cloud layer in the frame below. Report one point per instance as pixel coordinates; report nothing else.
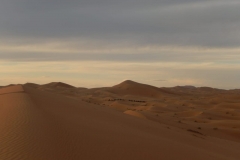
(134, 22)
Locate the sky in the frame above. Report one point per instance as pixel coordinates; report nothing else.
(91, 43)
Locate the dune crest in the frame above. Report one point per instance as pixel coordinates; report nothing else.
(58, 84)
(11, 89)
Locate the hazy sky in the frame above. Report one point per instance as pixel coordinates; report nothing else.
(96, 43)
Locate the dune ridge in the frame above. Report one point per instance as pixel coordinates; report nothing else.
(11, 89)
(58, 84)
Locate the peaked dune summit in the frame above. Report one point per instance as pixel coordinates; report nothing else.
(58, 84)
(129, 87)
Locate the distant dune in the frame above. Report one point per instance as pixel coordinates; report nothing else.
(33, 85)
(57, 121)
(133, 88)
(11, 89)
(58, 84)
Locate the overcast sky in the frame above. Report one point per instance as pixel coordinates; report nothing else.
(101, 43)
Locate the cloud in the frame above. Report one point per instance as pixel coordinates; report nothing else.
(154, 30)
(60, 51)
(183, 22)
(161, 80)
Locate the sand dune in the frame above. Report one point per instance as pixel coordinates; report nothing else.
(133, 88)
(58, 84)
(37, 123)
(11, 89)
(32, 85)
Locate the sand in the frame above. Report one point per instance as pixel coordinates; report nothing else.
(11, 89)
(46, 122)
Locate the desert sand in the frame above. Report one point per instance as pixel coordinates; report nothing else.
(58, 121)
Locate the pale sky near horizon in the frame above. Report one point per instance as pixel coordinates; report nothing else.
(90, 43)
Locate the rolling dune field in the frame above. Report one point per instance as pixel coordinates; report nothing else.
(58, 121)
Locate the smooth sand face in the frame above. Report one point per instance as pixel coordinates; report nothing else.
(73, 124)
